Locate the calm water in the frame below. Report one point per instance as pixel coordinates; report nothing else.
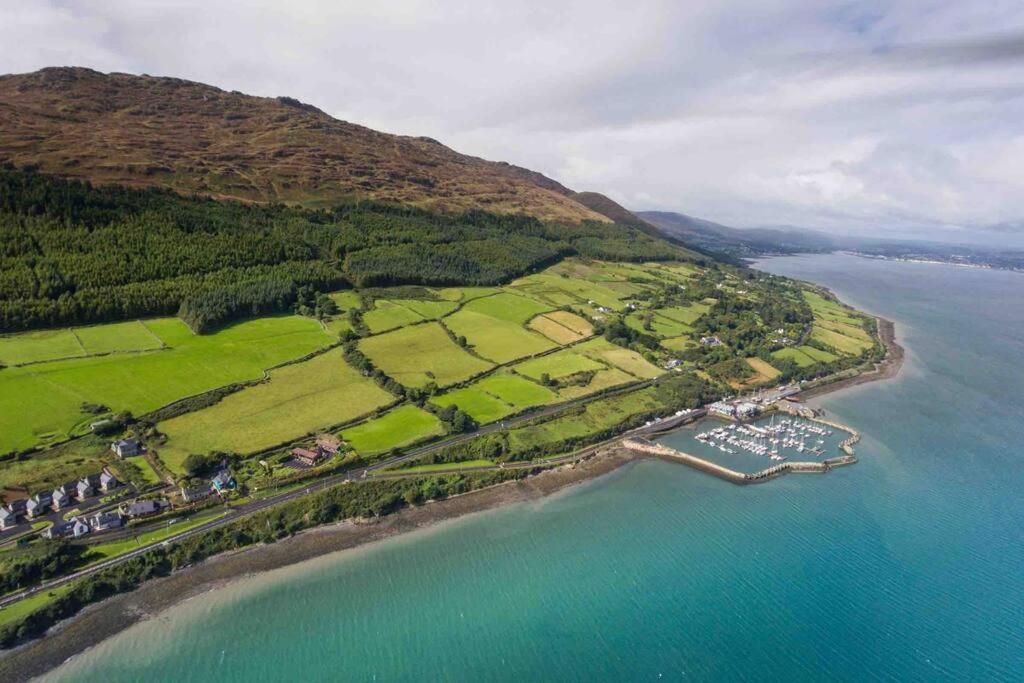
(907, 566)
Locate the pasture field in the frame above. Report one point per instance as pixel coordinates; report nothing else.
(426, 309)
(417, 355)
(507, 306)
(818, 354)
(830, 310)
(49, 469)
(346, 299)
(840, 342)
(796, 355)
(496, 339)
(660, 326)
(765, 372)
(297, 400)
(624, 359)
(678, 343)
(599, 415)
(42, 403)
(855, 331)
(402, 426)
(562, 327)
(465, 293)
(684, 314)
(515, 390)
(388, 315)
(561, 290)
(557, 365)
(114, 337)
(32, 347)
(602, 379)
(477, 403)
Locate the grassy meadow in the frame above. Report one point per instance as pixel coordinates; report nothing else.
(401, 426)
(417, 355)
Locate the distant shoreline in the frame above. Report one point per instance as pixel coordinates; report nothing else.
(105, 619)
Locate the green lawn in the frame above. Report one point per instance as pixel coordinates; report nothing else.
(416, 355)
(297, 400)
(149, 475)
(839, 342)
(496, 339)
(402, 426)
(42, 403)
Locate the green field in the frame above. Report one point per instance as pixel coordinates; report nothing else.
(562, 327)
(660, 326)
(678, 343)
(839, 342)
(496, 396)
(684, 314)
(508, 307)
(149, 475)
(21, 609)
(557, 365)
(796, 355)
(42, 403)
(439, 466)
(494, 338)
(388, 315)
(114, 337)
(415, 356)
(428, 310)
(624, 359)
(830, 310)
(297, 400)
(49, 469)
(32, 347)
(603, 379)
(818, 354)
(402, 426)
(346, 299)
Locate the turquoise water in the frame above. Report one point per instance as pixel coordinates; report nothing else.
(907, 566)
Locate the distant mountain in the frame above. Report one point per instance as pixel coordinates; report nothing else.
(144, 131)
(713, 237)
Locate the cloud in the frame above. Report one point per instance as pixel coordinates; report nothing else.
(874, 117)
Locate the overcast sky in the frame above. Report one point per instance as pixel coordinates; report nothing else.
(869, 117)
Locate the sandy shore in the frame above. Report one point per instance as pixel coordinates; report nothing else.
(105, 619)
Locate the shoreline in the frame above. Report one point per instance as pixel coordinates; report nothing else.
(103, 620)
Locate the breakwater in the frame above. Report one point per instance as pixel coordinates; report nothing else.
(639, 444)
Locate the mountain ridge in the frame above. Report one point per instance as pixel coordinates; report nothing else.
(145, 131)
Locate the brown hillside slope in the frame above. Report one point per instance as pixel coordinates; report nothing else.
(194, 138)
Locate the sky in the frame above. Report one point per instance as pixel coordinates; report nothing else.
(883, 118)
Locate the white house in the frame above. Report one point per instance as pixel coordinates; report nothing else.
(126, 448)
(7, 519)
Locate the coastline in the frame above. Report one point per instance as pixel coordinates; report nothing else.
(105, 619)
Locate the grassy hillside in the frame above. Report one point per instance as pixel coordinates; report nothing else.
(144, 131)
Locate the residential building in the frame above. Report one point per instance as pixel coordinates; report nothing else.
(8, 519)
(102, 521)
(60, 498)
(143, 508)
(722, 409)
(306, 457)
(329, 445)
(84, 489)
(224, 481)
(108, 482)
(38, 504)
(79, 528)
(58, 530)
(194, 493)
(125, 448)
(711, 341)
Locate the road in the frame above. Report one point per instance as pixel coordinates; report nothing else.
(355, 475)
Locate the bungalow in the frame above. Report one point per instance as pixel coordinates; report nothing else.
(60, 498)
(102, 521)
(108, 482)
(8, 519)
(84, 489)
(38, 504)
(307, 457)
(126, 448)
(143, 508)
(711, 341)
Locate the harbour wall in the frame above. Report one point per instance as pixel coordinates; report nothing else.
(641, 445)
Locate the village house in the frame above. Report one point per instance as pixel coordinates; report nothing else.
(711, 341)
(125, 448)
(108, 482)
(38, 504)
(144, 508)
(224, 481)
(103, 521)
(85, 488)
(329, 445)
(8, 519)
(190, 494)
(307, 457)
(60, 498)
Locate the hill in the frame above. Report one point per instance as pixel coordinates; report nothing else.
(145, 131)
(716, 238)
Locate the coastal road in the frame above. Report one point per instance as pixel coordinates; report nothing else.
(356, 475)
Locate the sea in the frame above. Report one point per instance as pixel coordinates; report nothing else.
(908, 566)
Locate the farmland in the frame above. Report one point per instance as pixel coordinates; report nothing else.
(496, 396)
(399, 427)
(562, 327)
(415, 356)
(495, 338)
(296, 400)
(559, 364)
(43, 402)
